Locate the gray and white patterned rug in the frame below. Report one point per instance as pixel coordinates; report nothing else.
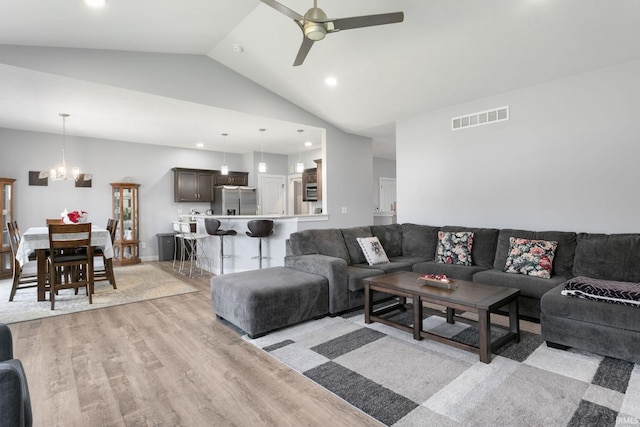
(135, 283)
(403, 382)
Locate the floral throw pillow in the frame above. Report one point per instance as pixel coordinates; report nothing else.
(454, 247)
(531, 257)
(373, 250)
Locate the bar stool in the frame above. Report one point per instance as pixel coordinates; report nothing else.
(212, 226)
(260, 228)
(193, 248)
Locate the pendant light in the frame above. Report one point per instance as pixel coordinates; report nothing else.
(59, 173)
(262, 166)
(300, 165)
(224, 169)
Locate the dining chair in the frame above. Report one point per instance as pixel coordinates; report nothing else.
(105, 272)
(54, 221)
(24, 276)
(70, 259)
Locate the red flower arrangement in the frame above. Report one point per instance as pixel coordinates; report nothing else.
(76, 217)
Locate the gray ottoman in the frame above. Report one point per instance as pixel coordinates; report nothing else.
(260, 301)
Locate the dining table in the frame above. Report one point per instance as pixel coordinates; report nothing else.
(36, 239)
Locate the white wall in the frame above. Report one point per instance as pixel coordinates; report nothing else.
(566, 160)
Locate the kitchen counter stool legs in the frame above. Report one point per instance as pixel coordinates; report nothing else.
(212, 226)
(260, 228)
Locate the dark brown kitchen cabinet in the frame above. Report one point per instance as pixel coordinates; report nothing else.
(233, 178)
(312, 183)
(193, 185)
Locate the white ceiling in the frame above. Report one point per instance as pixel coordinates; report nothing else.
(445, 52)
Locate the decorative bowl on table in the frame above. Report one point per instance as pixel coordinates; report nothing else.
(437, 280)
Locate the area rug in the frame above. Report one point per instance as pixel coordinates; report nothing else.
(399, 381)
(135, 283)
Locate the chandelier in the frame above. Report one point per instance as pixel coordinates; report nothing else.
(59, 173)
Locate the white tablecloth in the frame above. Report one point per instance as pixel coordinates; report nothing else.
(38, 238)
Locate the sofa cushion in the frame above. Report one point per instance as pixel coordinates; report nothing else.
(484, 244)
(454, 247)
(608, 256)
(563, 259)
(327, 241)
(390, 236)
(531, 257)
(530, 286)
(419, 241)
(350, 235)
(459, 272)
(407, 259)
(388, 267)
(357, 274)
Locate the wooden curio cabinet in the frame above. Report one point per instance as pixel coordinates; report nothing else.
(126, 209)
(6, 258)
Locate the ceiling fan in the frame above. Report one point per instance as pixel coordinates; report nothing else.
(315, 25)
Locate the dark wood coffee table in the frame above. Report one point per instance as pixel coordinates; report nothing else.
(466, 296)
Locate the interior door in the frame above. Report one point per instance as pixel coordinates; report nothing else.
(271, 194)
(387, 194)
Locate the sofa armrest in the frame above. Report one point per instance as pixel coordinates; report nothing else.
(15, 403)
(6, 343)
(333, 269)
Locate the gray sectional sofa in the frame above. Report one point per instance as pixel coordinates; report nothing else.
(335, 256)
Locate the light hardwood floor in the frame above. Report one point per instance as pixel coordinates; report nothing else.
(164, 362)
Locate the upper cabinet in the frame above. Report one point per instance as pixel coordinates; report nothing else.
(193, 185)
(196, 185)
(233, 178)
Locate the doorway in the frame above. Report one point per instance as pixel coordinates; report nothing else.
(387, 200)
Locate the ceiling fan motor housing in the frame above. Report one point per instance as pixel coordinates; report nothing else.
(315, 30)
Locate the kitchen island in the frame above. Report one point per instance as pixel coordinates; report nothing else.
(241, 251)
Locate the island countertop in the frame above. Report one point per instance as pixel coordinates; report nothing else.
(241, 251)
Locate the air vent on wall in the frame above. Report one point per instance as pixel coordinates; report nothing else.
(482, 118)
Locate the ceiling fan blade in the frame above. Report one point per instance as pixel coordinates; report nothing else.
(283, 9)
(367, 21)
(304, 50)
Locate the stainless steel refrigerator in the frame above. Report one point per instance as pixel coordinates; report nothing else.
(234, 200)
(248, 201)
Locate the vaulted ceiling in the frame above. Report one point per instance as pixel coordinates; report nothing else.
(444, 53)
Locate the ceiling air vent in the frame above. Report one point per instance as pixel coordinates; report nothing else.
(482, 118)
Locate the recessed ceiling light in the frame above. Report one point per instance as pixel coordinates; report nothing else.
(331, 81)
(96, 3)
(200, 145)
(308, 144)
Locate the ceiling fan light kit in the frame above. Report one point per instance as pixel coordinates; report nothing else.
(315, 25)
